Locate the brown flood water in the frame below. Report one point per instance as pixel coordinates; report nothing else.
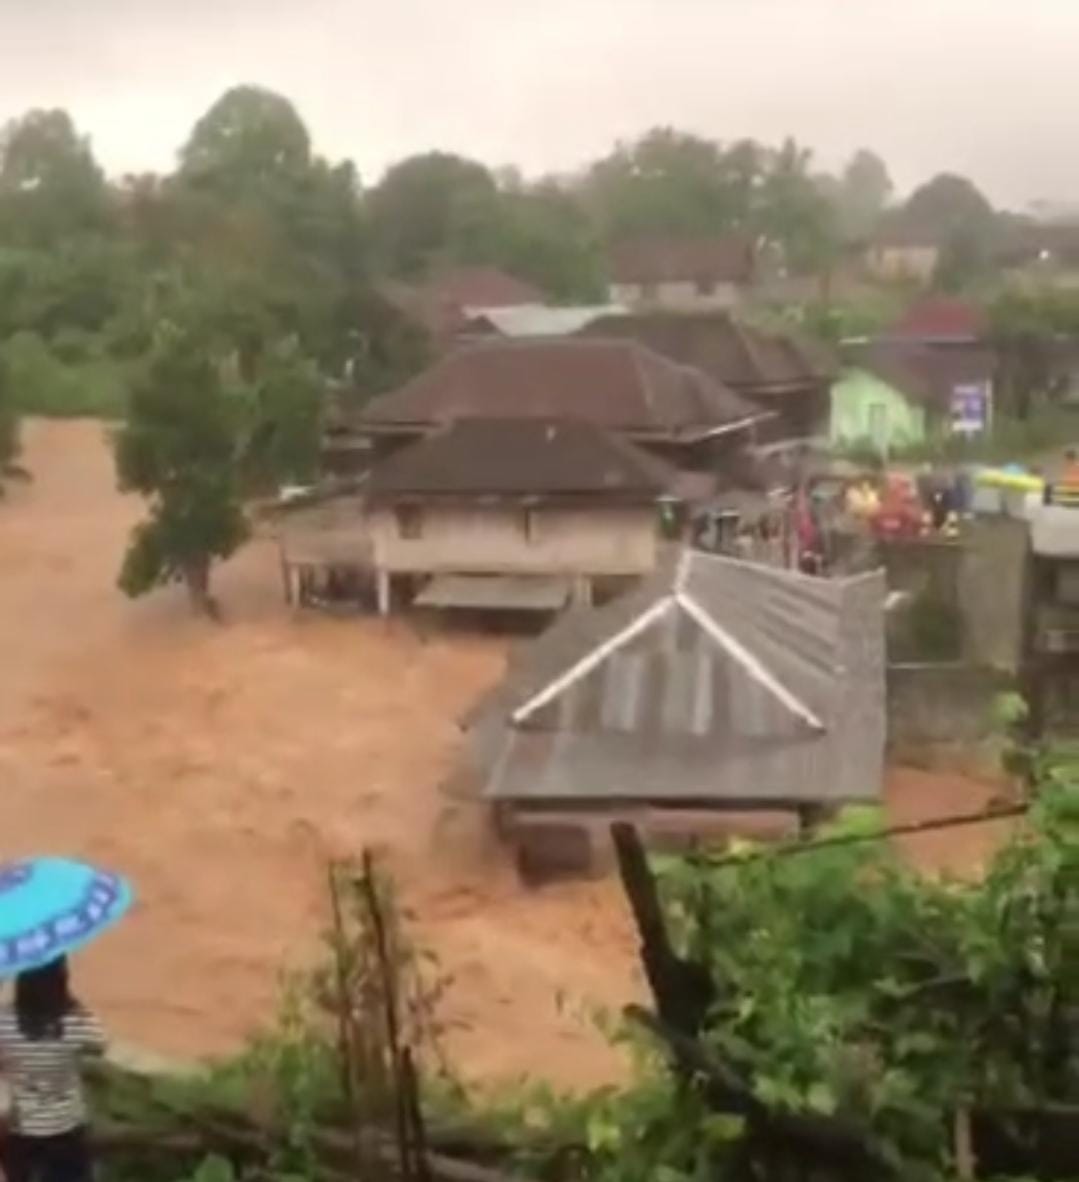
(221, 766)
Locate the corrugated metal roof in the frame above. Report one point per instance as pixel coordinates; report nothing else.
(496, 592)
(538, 320)
(720, 681)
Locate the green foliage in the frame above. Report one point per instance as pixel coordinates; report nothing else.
(9, 420)
(178, 449)
(850, 984)
(43, 383)
(671, 183)
(50, 185)
(434, 208)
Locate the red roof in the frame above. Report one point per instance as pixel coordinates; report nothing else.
(940, 318)
(620, 385)
(699, 260)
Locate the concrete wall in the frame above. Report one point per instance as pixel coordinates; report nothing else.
(681, 294)
(994, 579)
(924, 565)
(500, 541)
(934, 704)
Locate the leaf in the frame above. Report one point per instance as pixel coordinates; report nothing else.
(214, 1169)
(723, 1127)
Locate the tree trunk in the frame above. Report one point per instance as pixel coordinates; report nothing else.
(197, 580)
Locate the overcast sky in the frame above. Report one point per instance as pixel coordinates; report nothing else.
(989, 88)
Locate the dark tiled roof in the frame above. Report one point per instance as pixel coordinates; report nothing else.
(728, 259)
(520, 459)
(742, 356)
(717, 680)
(620, 385)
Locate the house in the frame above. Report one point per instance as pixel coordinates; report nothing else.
(681, 273)
(893, 394)
(446, 300)
(717, 686)
(948, 337)
(516, 514)
(901, 254)
(778, 371)
(677, 412)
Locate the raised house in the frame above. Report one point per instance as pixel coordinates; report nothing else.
(678, 413)
(514, 514)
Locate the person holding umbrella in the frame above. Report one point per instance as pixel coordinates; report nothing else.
(48, 908)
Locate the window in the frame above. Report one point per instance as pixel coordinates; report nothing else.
(409, 522)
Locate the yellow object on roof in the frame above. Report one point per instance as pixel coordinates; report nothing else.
(1017, 481)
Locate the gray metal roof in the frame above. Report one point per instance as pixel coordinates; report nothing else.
(718, 681)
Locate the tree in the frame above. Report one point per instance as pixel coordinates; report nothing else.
(547, 239)
(863, 193)
(178, 449)
(431, 208)
(247, 143)
(945, 204)
(666, 182)
(50, 184)
(9, 423)
(791, 211)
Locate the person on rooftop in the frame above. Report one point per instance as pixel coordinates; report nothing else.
(44, 1038)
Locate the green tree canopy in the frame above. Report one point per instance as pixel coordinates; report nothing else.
(864, 191)
(50, 184)
(249, 139)
(178, 449)
(432, 208)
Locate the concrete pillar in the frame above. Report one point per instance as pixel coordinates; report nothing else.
(384, 591)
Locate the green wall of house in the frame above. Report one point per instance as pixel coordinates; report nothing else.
(864, 408)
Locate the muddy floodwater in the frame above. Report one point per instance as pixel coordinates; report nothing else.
(222, 766)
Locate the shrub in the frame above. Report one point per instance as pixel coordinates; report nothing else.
(44, 384)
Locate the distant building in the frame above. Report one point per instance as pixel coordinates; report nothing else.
(513, 514)
(901, 255)
(782, 373)
(944, 339)
(893, 393)
(718, 686)
(681, 273)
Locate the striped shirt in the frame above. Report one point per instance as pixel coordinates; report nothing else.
(43, 1074)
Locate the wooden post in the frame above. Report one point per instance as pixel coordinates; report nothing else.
(383, 589)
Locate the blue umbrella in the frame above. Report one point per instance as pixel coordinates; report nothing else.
(52, 906)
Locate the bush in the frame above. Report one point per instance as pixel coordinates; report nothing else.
(42, 383)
